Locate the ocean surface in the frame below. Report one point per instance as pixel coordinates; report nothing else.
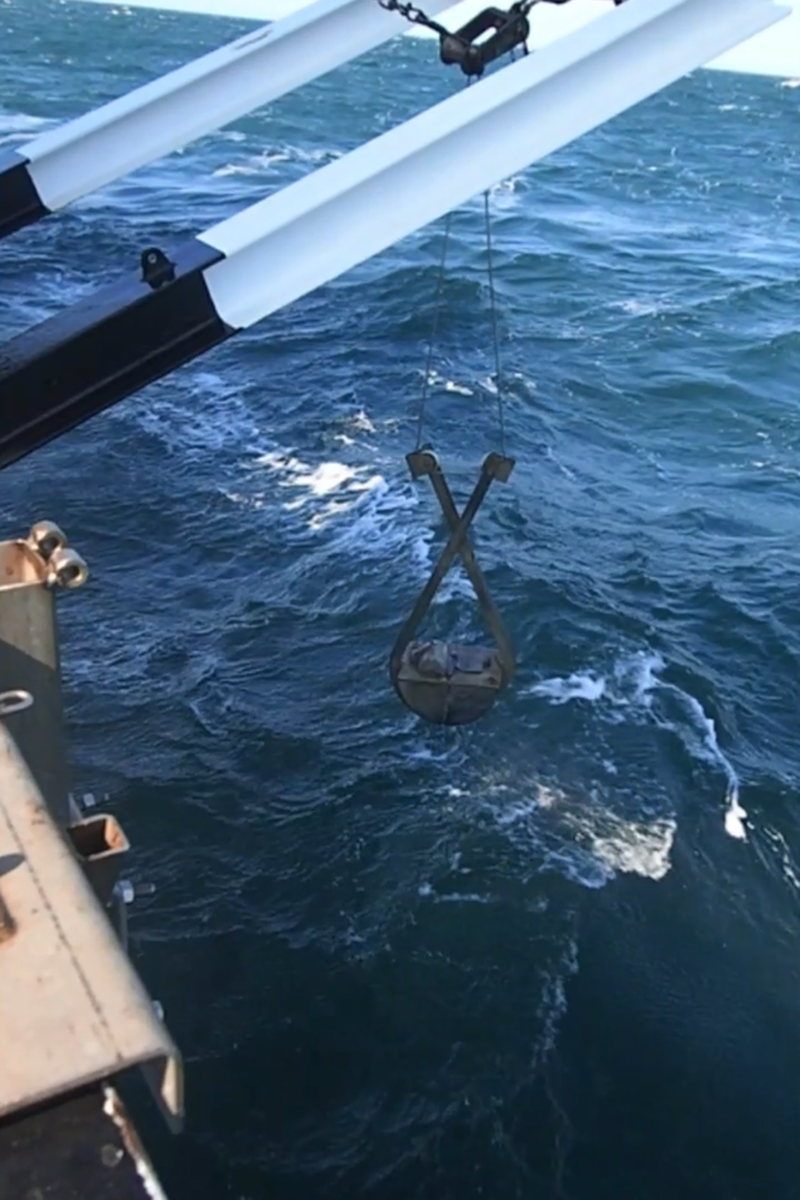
(554, 954)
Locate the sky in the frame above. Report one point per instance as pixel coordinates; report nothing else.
(776, 51)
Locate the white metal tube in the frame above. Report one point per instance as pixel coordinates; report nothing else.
(321, 226)
(85, 154)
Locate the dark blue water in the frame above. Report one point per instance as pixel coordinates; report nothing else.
(536, 957)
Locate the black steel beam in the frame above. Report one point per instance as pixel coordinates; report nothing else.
(20, 203)
(106, 347)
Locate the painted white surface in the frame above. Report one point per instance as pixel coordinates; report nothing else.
(324, 224)
(108, 143)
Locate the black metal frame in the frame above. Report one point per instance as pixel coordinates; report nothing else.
(20, 203)
(106, 347)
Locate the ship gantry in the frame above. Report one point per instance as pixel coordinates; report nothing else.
(74, 1014)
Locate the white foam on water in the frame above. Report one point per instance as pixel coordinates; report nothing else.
(578, 686)
(357, 424)
(368, 516)
(552, 457)
(438, 381)
(340, 484)
(320, 480)
(383, 523)
(640, 308)
(779, 845)
(504, 196)
(553, 1002)
(425, 754)
(266, 160)
(643, 669)
(217, 419)
(548, 796)
(255, 165)
(522, 810)
(596, 840)
(20, 127)
(317, 154)
(631, 689)
(708, 748)
(21, 122)
(632, 847)
(735, 815)
(361, 422)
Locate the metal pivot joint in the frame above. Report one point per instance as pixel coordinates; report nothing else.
(462, 48)
(449, 683)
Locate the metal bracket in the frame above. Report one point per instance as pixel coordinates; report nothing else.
(156, 268)
(511, 29)
(100, 844)
(15, 701)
